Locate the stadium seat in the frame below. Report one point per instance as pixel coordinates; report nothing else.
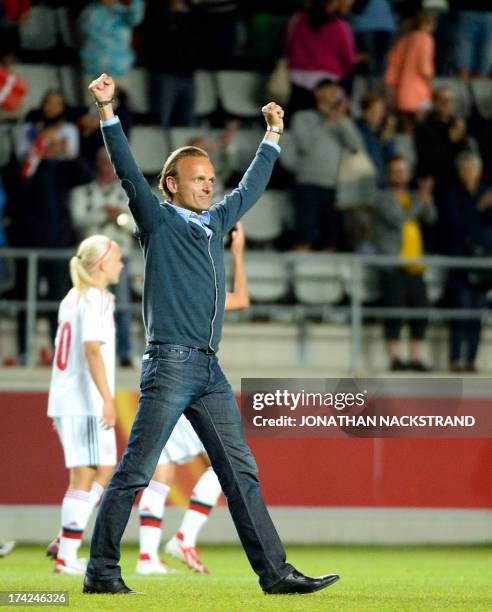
(205, 93)
(370, 291)
(149, 148)
(244, 145)
(265, 221)
(70, 85)
(180, 136)
(288, 159)
(460, 90)
(319, 279)
(41, 78)
(241, 92)
(139, 90)
(267, 274)
(482, 95)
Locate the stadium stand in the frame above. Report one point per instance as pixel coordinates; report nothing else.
(139, 88)
(240, 92)
(319, 280)
(205, 92)
(265, 222)
(40, 77)
(149, 148)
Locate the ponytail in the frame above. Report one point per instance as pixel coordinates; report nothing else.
(91, 252)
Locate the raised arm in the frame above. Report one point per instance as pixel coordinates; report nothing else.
(238, 299)
(143, 204)
(257, 176)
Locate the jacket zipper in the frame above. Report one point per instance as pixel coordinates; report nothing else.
(216, 296)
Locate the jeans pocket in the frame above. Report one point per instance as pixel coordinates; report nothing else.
(148, 374)
(174, 354)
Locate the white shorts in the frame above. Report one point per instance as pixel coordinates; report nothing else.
(183, 445)
(85, 442)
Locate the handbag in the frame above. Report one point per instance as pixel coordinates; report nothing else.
(356, 180)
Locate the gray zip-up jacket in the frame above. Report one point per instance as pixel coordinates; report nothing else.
(184, 286)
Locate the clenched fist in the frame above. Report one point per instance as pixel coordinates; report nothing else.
(274, 114)
(102, 89)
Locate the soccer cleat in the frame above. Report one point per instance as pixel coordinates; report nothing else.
(53, 548)
(6, 548)
(146, 567)
(76, 567)
(190, 555)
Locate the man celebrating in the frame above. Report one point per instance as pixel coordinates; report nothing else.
(183, 304)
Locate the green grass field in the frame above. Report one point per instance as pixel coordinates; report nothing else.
(457, 578)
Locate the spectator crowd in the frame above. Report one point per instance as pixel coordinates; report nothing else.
(382, 155)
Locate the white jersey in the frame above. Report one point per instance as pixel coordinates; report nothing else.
(86, 317)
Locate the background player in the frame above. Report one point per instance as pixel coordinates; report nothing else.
(81, 395)
(183, 446)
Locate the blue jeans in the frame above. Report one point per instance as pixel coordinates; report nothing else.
(465, 333)
(177, 379)
(175, 100)
(474, 48)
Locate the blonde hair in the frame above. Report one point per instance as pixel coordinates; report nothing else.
(171, 165)
(91, 252)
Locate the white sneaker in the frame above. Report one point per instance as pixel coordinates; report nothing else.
(6, 548)
(76, 567)
(145, 567)
(189, 555)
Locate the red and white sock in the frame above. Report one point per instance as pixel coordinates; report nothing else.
(75, 514)
(151, 512)
(95, 495)
(203, 498)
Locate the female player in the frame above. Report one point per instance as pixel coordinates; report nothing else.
(81, 395)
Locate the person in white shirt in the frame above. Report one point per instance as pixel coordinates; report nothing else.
(101, 207)
(81, 394)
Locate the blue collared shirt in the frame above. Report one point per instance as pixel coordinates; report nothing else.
(190, 216)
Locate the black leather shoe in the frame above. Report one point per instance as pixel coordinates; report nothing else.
(115, 586)
(295, 582)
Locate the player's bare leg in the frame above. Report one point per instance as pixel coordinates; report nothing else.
(151, 512)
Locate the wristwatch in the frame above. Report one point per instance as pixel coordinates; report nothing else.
(102, 103)
(275, 129)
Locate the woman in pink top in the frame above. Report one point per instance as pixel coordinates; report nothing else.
(411, 67)
(320, 45)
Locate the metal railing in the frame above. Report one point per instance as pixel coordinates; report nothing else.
(355, 312)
